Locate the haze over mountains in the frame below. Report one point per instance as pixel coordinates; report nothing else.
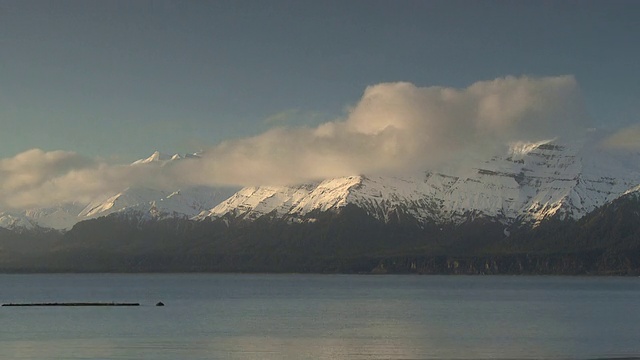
(397, 129)
(155, 203)
(528, 183)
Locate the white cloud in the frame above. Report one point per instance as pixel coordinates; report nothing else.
(36, 178)
(398, 127)
(395, 127)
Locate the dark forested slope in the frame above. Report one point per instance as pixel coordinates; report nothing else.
(606, 241)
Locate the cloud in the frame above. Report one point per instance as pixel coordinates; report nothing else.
(394, 128)
(399, 127)
(627, 139)
(37, 178)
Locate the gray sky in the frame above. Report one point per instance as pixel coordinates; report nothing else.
(271, 83)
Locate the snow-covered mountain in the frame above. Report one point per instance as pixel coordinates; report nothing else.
(157, 204)
(381, 197)
(15, 221)
(63, 216)
(633, 192)
(530, 182)
(150, 203)
(159, 158)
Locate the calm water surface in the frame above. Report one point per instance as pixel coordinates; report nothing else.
(212, 316)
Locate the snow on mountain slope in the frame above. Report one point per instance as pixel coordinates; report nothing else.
(152, 203)
(633, 192)
(385, 198)
(15, 221)
(159, 158)
(63, 216)
(157, 204)
(531, 182)
(129, 197)
(253, 202)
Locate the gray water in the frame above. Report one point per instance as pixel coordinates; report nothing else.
(214, 316)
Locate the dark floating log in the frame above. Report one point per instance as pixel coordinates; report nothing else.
(73, 304)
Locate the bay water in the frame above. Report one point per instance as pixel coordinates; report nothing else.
(256, 316)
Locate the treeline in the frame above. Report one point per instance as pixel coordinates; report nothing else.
(604, 242)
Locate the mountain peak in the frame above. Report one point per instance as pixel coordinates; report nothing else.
(14, 221)
(531, 182)
(157, 157)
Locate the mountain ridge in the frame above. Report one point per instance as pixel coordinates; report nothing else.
(533, 183)
(156, 203)
(530, 182)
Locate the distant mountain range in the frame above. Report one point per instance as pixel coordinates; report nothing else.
(155, 204)
(534, 199)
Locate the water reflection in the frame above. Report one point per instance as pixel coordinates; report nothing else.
(325, 317)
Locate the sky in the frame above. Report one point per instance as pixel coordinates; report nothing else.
(287, 91)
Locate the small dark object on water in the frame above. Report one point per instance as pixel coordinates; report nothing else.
(73, 304)
(160, 303)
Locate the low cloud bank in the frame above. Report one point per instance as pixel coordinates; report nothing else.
(399, 127)
(394, 128)
(36, 178)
